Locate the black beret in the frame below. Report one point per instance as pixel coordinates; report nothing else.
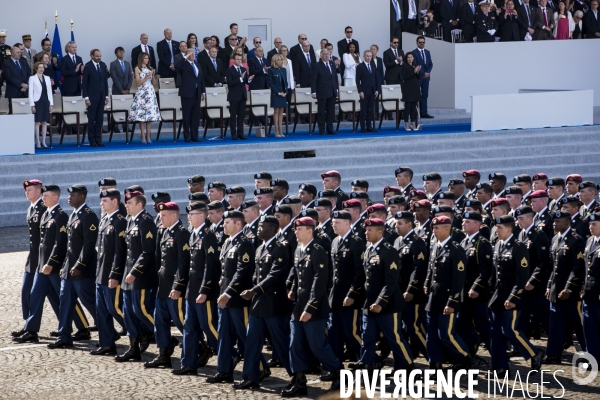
(109, 193)
(283, 209)
(268, 219)
(264, 190)
(107, 182)
(405, 215)
(514, 190)
(310, 212)
(432, 176)
(280, 183)
(360, 183)
(308, 187)
(587, 184)
(560, 214)
(397, 200)
(442, 209)
(292, 200)
(196, 206)
(497, 175)
(248, 204)
(448, 195)
(342, 215)
(323, 203)
(263, 175)
(359, 195)
(327, 193)
(215, 205)
(160, 196)
(570, 199)
(505, 219)
(233, 214)
(455, 182)
(594, 217)
(216, 185)
(474, 216)
(196, 179)
(134, 188)
(235, 190)
(199, 196)
(522, 178)
(473, 203)
(524, 210)
(78, 188)
(556, 182)
(402, 169)
(483, 185)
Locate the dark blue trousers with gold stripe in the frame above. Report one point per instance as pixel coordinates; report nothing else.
(505, 327)
(345, 327)
(138, 311)
(389, 325)
(109, 303)
(26, 293)
(440, 333)
(591, 327)
(165, 311)
(311, 334)
(70, 291)
(233, 322)
(564, 314)
(474, 323)
(200, 320)
(255, 339)
(413, 317)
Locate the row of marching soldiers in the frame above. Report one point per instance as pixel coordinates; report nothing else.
(430, 272)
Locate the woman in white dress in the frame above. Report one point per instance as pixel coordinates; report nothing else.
(351, 59)
(144, 108)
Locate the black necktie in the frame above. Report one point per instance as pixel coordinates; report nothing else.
(18, 64)
(260, 61)
(369, 68)
(98, 68)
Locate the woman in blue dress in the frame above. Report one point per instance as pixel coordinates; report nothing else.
(278, 85)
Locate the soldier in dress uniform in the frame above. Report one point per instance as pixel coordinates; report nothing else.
(432, 183)
(329, 194)
(572, 205)
(511, 265)
(475, 206)
(500, 207)
(359, 185)
(251, 211)
(216, 210)
(172, 282)
(201, 314)
(323, 208)
(265, 199)
(404, 177)
(4, 55)
(566, 281)
(572, 184)
(395, 205)
(591, 289)
(140, 277)
(472, 178)
(262, 180)
(389, 192)
(556, 191)
(311, 311)
(422, 211)
(295, 204)
(448, 199)
(268, 311)
(514, 195)
(111, 183)
(414, 257)
(498, 182)
(196, 184)
(280, 189)
(486, 23)
(157, 198)
(484, 193)
(378, 210)
(587, 195)
(457, 187)
(346, 296)
(444, 285)
(308, 194)
(112, 252)
(524, 181)
(457, 235)
(539, 205)
(363, 197)
(216, 192)
(198, 197)
(353, 207)
(332, 181)
(321, 238)
(78, 272)
(473, 320)
(284, 215)
(235, 197)
(539, 181)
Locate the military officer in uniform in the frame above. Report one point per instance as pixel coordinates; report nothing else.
(4, 55)
(414, 257)
(331, 181)
(404, 177)
(311, 310)
(280, 189)
(196, 184)
(442, 210)
(432, 183)
(216, 210)
(330, 195)
(448, 199)
(556, 191)
(140, 277)
(572, 205)
(284, 215)
(112, 251)
(235, 197)
(542, 219)
(359, 185)
(308, 194)
(422, 211)
(539, 182)
(475, 206)
(265, 198)
(378, 210)
(198, 197)
(111, 183)
(590, 292)
(321, 238)
(457, 187)
(269, 304)
(353, 207)
(262, 180)
(572, 184)
(484, 194)
(444, 285)
(172, 282)
(201, 314)
(524, 182)
(395, 205)
(346, 297)
(79, 269)
(389, 192)
(486, 23)
(363, 197)
(566, 281)
(471, 178)
(511, 265)
(251, 211)
(587, 195)
(216, 192)
(324, 209)
(498, 182)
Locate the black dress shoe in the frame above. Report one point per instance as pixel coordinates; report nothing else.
(331, 133)
(185, 371)
(104, 351)
(99, 144)
(234, 138)
(536, 361)
(274, 363)
(246, 385)
(82, 334)
(187, 140)
(297, 388)
(27, 337)
(426, 116)
(243, 138)
(18, 333)
(59, 345)
(93, 328)
(265, 373)
(220, 377)
(363, 131)
(162, 360)
(54, 333)
(371, 130)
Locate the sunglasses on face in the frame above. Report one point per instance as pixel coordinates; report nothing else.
(394, 42)
(303, 38)
(348, 31)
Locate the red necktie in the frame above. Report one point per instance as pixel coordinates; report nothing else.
(545, 19)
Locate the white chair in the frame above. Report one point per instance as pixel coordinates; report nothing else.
(4, 106)
(120, 105)
(20, 106)
(349, 102)
(305, 105)
(217, 107)
(260, 106)
(166, 83)
(456, 35)
(74, 113)
(391, 101)
(170, 110)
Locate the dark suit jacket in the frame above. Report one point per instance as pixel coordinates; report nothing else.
(509, 27)
(135, 53)
(260, 80)
(591, 24)
(342, 47)
(164, 57)
(121, 81)
(540, 33)
(226, 42)
(14, 77)
(189, 80)
(302, 71)
(523, 21)
(296, 49)
(392, 70)
(324, 83)
(467, 18)
(225, 55)
(426, 66)
(367, 83)
(379, 69)
(212, 77)
(271, 53)
(237, 89)
(94, 84)
(203, 55)
(71, 79)
(449, 12)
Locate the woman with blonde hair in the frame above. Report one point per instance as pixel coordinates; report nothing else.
(144, 108)
(278, 84)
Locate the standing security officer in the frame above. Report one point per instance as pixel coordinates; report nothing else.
(269, 305)
(414, 256)
(346, 297)
(566, 281)
(591, 290)
(172, 281)
(511, 265)
(112, 253)
(201, 315)
(79, 270)
(444, 285)
(140, 276)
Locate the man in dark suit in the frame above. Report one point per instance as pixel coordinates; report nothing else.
(411, 16)
(509, 23)
(527, 19)
(259, 67)
(227, 50)
(591, 21)
(545, 22)
(333, 59)
(233, 30)
(325, 87)
(121, 73)
(467, 20)
(71, 69)
(379, 67)
(396, 18)
(16, 74)
(450, 12)
(342, 46)
(277, 43)
(302, 65)
(392, 59)
(143, 48)
(191, 91)
(237, 78)
(177, 61)
(423, 58)
(297, 48)
(94, 86)
(204, 54)
(167, 49)
(213, 70)
(367, 83)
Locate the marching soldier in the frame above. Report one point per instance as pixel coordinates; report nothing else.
(363, 197)
(486, 23)
(140, 277)
(324, 209)
(587, 195)
(422, 210)
(216, 192)
(448, 199)
(265, 198)
(484, 194)
(566, 281)
(457, 187)
(235, 197)
(201, 314)
(556, 191)
(378, 210)
(331, 195)
(524, 182)
(591, 289)
(158, 198)
(331, 181)
(251, 211)
(514, 195)
(475, 206)
(196, 184)
(321, 238)
(284, 215)
(112, 252)
(457, 235)
(111, 183)
(216, 210)
(471, 178)
(353, 207)
(404, 177)
(308, 194)
(542, 219)
(361, 186)
(198, 197)
(389, 192)
(432, 183)
(79, 269)
(571, 205)
(511, 265)
(498, 182)
(280, 189)
(395, 205)
(539, 182)
(172, 282)
(572, 184)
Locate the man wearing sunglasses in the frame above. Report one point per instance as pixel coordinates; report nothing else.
(343, 44)
(257, 43)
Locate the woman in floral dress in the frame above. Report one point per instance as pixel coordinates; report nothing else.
(144, 108)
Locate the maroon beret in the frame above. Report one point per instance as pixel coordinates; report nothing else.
(575, 178)
(394, 189)
(168, 206)
(441, 220)
(352, 203)
(374, 222)
(538, 194)
(498, 202)
(329, 174)
(31, 182)
(422, 204)
(471, 172)
(539, 177)
(375, 208)
(415, 193)
(304, 221)
(132, 194)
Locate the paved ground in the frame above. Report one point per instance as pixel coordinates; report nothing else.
(35, 372)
